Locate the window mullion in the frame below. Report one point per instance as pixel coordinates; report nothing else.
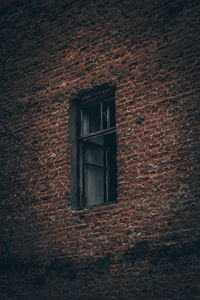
(101, 115)
(105, 178)
(108, 116)
(107, 171)
(82, 197)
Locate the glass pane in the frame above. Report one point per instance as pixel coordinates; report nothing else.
(90, 119)
(94, 153)
(94, 185)
(99, 140)
(112, 114)
(84, 123)
(108, 115)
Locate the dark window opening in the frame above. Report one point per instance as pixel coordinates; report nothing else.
(94, 171)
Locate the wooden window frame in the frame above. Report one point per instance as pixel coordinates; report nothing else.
(97, 97)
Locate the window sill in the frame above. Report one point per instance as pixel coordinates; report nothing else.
(91, 207)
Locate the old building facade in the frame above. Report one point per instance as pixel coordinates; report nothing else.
(81, 218)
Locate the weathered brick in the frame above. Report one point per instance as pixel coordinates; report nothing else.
(146, 245)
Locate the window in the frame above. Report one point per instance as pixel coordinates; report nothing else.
(94, 171)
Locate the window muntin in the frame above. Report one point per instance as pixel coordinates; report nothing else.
(96, 153)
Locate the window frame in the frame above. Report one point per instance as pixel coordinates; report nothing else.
(81, 102)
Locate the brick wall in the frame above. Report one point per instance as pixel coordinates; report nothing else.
(147, 245)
